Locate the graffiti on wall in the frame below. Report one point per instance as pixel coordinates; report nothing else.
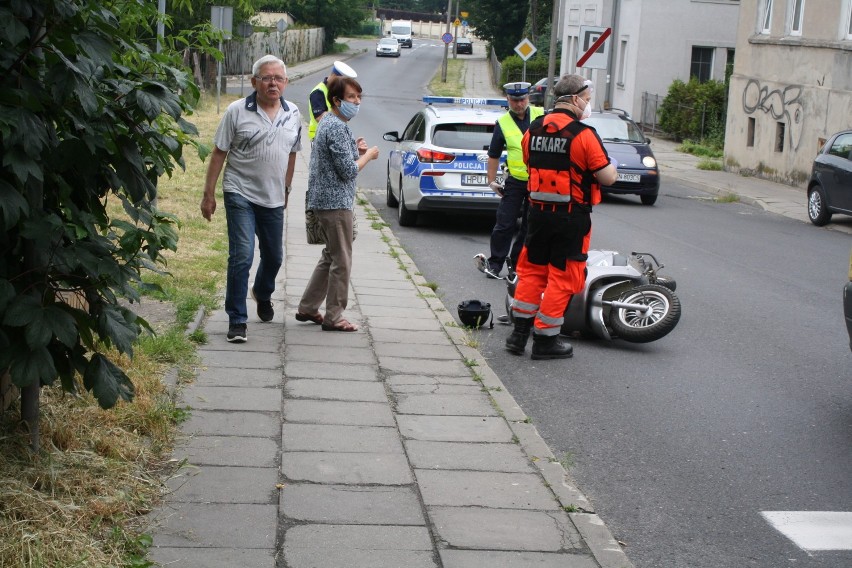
(781, 104)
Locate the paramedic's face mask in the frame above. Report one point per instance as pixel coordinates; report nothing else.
(584, 97)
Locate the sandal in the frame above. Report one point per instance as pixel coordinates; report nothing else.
(316, 318)
(341, 325)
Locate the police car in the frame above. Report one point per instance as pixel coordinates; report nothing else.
(440, 159)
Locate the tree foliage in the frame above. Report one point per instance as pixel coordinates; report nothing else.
(499, 22)
(338, 17)
(89, 117)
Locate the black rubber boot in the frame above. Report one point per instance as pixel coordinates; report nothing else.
(551, 347)
(517, 341)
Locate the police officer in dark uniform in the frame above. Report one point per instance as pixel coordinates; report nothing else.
(508, 132)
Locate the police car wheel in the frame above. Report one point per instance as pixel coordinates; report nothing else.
(407, 217)
(390, 200)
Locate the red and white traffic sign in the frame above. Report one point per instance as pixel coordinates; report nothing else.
(595, 47)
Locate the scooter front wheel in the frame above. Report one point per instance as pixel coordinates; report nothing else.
(638, 326)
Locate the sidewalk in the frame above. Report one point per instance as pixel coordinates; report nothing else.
(395, 446)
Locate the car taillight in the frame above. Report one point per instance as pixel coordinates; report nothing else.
(427, 156)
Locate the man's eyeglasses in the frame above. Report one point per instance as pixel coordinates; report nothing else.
(269, 78)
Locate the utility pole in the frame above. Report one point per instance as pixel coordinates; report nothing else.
(551, 60)
(446, 45)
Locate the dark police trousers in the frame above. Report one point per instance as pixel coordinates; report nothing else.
(514, 204)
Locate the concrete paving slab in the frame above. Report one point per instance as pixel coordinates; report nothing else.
(322, 354)
(497, 559)
(330, 389)
(454, 428)
(312, 370)
(370, 300)
(212, 525)
(445, 404)
(232, 398)
(505, 529)
(240, 359)
(409, 292)
(386, 322)
(219, 377)
(256, 341)
(232, 423)
(348, 504)
(312, 334)
(395, 281)
(337, 412)
(597, 536)
(333, 438)
(409, 337)
(424, 366)
(471, 457)
(417, 351)
(229, 450)
(215, 484)
(357, 558)
(347, 468)
(485, 489)
(212, 557)
(397, 380)
(422, 312)
(470, 389)
(358, 537)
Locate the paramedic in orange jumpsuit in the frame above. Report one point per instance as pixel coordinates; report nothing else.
(567, 163)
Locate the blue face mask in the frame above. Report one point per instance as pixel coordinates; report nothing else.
(348, 109)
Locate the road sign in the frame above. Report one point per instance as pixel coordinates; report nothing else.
(457, 22)
(464, 23)
(222, 19)
(463, 14)
(595, 47)
(525, 49)
(447, 37)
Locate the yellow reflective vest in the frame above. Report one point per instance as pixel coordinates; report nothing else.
(513, 136)
(312, 126)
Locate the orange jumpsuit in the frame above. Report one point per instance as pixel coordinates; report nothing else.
(562, 155)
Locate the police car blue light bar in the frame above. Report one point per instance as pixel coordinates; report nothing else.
(466, 101)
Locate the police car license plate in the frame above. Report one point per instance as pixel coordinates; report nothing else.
(632, 178)
(474, 179)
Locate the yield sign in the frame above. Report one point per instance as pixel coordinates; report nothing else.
(595, 46)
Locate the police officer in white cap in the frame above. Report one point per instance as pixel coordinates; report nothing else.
(318, 102)
(508, 132)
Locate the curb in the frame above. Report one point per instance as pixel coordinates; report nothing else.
(603, 546)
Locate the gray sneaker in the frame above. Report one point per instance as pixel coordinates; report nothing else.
(237, 333)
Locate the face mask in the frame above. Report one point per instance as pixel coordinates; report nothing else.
(348, 109)
(587, 110)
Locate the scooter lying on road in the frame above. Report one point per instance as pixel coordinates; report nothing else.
(624, 297)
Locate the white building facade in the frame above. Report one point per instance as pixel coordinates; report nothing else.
(653, 42)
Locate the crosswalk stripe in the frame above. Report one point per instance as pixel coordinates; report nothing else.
(814, 530)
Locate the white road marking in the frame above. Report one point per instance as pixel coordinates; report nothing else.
(814, 530)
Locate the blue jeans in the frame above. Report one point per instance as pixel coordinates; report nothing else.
(506, 234)
(245, 220)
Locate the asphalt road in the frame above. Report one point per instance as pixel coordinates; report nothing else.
(680, 444)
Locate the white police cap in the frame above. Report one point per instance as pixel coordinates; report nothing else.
(517, 90)
(340, 68)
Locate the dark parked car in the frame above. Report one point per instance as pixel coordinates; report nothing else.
(624, 141)
(464, 45)
(847, 302)
(537, 92)
(830, 187)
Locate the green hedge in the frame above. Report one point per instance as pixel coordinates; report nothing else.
(695, 111)
(513, 69)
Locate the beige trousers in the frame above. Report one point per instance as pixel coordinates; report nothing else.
(330, 279)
